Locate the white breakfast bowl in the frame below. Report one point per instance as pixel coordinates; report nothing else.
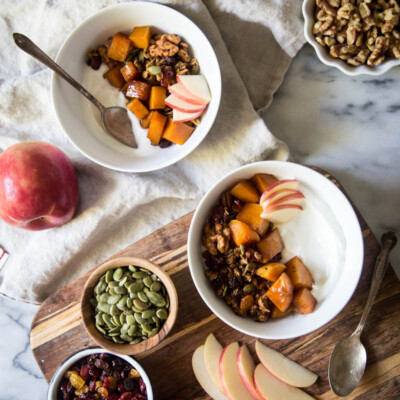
(337, 293)
(67, 363)
(81, 121)
(322, 53)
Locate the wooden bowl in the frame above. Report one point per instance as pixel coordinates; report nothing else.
(87, 314)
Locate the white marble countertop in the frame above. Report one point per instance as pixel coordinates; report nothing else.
(348, 126)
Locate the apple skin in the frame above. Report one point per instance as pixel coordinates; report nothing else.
(38, 186)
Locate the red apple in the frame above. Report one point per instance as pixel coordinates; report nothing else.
(38, 186)
(177, 104)
(179, 91)
(282, 184)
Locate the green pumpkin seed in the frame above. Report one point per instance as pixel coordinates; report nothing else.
(135, 287)
(156, 299)
(100, 329)
(114, 299)
(93, 302)
(114, 329)
(104, 307)
(148, 313)
(132, 268)
(124, 329)
(155, 287)
(133, 296)
(113, 284)
(99, 319)
(122, 318)
(107, 319)
(148, 281)
(115, 320)
(249, 288)
(146, 290)
(117, 276)
(114, 334)
(129, 302)
(154, 70)
(142, 296)
(132, 330)
(139, 318)
(154, 277)
(139, 275)
(136, 310)
(162, 313)
(141, 305)
(126, 338)
(104, 297)
(124, 279)
(120, 290)
(114, 310)
(135, 341)
(130, 319)
(109, 276)
(117, 340)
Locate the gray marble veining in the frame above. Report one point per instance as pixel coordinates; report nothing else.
(349, 126)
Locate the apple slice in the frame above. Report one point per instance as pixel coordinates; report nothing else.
(292, 198)
(282, 184)
(202, 376)
(179, 116)
(281, 214)
(270, 388)
(283, 367)
(179, 91)
(278, 195)
(246, 370)
(212, 354)
(177, 104)
(231, 382)
(196, 86)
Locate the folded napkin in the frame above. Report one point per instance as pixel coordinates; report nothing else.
(254, 41)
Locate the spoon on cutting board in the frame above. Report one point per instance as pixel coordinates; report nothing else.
(349, 357)
(115, 119)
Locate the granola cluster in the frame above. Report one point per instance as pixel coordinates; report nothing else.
(231, 270)
(359, 31)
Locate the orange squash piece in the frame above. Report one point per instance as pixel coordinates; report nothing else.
(157, 97)
(129, 71)
(263, 181)
(250, 214)
(177, 132)
(145, 122)
(156, 128)
(245, 191)
(242, 233)
(271, 272)
(138, 108)
(281, 292)
(119, 47)
(277, 313)
(115, 77)
(299, 273)
(304, 301)
(270, 245)
(140, 37)
(139, 90)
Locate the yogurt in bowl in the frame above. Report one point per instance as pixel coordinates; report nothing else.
(326, 235)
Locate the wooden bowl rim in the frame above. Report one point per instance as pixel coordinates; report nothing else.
(88, 322)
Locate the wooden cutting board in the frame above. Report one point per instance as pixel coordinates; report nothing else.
(57, 331)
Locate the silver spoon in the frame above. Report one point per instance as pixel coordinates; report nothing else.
(349, 358)
(115, 119)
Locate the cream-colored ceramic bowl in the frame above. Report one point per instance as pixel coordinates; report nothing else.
(71, 108)
(323, 55)
(344, 223)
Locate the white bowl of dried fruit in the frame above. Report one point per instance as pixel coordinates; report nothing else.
(152, 60)
(362, 38)
(275, 249)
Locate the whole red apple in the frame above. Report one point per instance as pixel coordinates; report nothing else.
(38, 186)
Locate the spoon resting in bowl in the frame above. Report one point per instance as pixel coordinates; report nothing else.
(349, 357)
(115, 120)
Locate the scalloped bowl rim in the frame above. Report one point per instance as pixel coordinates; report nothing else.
(326, 59)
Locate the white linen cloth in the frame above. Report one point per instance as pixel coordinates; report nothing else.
(254, 41)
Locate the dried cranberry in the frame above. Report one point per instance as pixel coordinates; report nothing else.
(168, 78)
(164, 143)
(84, 373)
(117, 363)
(169, 60)
(121, 388)
(113, 396)
(130, 384)
(94, 62)
(142, 386)
(217, 214)
(277, 258)
(140, 397)
(126, 396)
(237, 205)
(93, 372)
(105, 382)
(104, 356)
(92, 385)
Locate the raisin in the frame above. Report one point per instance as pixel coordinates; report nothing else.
(168, 78)
(164, 143)
(169, 60)
(101, 364)
(117, 363)
(130, 384)
(84, 373)
(121, 388)
(234, 283)
(142, 386)
(237, 205)
(218, 214)
(126, 396)
(277, 258)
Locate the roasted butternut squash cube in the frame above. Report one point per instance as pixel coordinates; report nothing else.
(177, 132)
(129, 71)
(156, 128)
(263, 181)
(299, 273)
(304, 301)
(271, 272)
(115, 77)
(250, 214)
(281, 292)
(140, 37)
(119, 47)
(277, 313)
(138, 108)
(145, 122)
(245, 191)
(271, 245)
(139, 90)
(157, 97)
(242, 234)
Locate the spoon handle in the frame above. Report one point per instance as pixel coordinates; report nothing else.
(29, 47)
(388, 241)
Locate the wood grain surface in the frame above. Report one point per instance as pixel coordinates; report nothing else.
(57, 330)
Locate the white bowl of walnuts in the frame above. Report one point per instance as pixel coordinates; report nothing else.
(355, 36)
